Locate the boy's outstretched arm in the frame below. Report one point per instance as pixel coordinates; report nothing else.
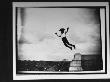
(67, 30)
(57, 35)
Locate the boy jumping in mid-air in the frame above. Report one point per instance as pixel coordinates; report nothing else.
(64, 39)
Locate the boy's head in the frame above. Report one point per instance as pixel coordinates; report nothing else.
(62, 30)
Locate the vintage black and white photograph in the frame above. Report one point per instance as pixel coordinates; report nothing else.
(58, 38)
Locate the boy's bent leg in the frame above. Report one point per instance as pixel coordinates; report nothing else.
(71, 45)
(67, 45)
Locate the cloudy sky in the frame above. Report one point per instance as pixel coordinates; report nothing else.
(36, 26)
